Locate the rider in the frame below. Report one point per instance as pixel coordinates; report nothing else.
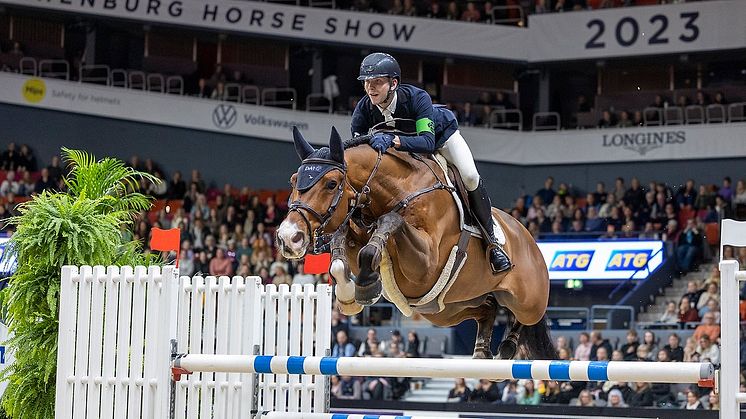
(435, 128)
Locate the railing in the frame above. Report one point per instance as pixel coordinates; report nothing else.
(506, 119)
(56, 69)
(506, 11)
(280, 96)
(737, 112)
(317, 102)
(569, 318)
(546, 121)
(94, 73)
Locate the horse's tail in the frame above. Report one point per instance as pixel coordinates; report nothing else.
(534, 342)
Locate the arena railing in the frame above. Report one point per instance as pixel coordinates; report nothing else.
(737, 112)
(95, 73)
(506, 119)
(56, 69)
(546, 121)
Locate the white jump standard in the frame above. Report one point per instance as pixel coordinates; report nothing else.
(657, 372)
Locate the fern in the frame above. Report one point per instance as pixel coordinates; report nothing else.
(81, 227)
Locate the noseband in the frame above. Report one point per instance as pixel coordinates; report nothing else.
(319, 240)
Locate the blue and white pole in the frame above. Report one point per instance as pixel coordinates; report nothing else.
(654, 372)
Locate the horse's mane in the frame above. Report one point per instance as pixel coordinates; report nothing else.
(354, 142)
(323, 152)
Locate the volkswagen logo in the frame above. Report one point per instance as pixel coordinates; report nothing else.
(224, 116)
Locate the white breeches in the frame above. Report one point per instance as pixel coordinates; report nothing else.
(457, 152)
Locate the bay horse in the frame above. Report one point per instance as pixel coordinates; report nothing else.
(397, 202)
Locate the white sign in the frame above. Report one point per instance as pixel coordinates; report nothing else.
(628, 31)
(497, 146)
(634, 31)
(602, 260)
(311, 23)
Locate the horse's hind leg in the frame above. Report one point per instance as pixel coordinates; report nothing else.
(509, 346)
(368, 285)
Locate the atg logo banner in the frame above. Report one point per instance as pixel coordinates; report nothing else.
(571, 260)
(602, 260)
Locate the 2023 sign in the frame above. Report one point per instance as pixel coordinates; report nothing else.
(627, 31)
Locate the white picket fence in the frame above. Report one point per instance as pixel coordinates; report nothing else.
(117, 326)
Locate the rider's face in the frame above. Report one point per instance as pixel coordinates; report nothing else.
(377, 89)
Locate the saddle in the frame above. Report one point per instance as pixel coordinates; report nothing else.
(433, 301)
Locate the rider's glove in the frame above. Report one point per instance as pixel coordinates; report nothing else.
(381, 141)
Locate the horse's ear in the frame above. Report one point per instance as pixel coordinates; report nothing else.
(336, 149)
(301, 145)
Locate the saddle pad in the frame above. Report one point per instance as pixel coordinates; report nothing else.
(499, 234)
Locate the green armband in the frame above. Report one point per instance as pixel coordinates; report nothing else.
(425, 125)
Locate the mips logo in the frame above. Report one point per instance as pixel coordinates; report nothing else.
(34, 90)
(224, 116)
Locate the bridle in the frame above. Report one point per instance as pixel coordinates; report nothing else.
(320, 240)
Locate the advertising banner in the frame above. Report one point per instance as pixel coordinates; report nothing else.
(489, 145)
(602, 260)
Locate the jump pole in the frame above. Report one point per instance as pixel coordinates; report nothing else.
(655, 372)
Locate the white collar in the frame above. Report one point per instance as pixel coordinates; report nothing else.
(389, 109)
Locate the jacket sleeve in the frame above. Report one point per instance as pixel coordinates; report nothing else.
(360, 124)
(424, 141)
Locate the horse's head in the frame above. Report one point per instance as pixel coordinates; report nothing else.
(316, 206)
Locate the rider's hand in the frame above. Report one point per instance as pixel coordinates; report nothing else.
(382, 141)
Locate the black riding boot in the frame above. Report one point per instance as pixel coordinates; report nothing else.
(482, 210)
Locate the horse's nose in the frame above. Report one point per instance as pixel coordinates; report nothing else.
(297, 237)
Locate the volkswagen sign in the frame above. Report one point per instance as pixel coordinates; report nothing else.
(224, 116)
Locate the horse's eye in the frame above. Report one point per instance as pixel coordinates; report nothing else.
(331, 184)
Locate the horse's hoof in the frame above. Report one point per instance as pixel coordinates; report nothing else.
(368, 294)
(506, 350)
(349, 308)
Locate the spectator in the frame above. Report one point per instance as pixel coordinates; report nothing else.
(55, 170)
(452, 12)
(26, 186)
(485, 392)
(692, 401)
(675, 351)
(435, 12)
(45, 182)
(349, 388)
(301, 277)
(629, 349)
(219, 92)
(396, 342)
(608, 120)
(712, 293)
(202, 264)
(583, 105)
(583, 348)
(413, 345)
(687, 314)
(726, 190)
(487, 15)
(713, 400)
(343, 347)
(471, 14)
(397, 8)
(177, 186)
(203, 90)
(616, 399)
(460, 392)
(637, 119)
(585, 399)
(682, 101)
(409, 8)
(624, 120)
(708, 350)
(693, 292)
(686, 196)
(689, 247)
(221, 264)
(707, 328)
(10, 185)
(642, 397)
(529, 394)
(10, 158)
(468, 117)
(720, 99)
(671, 315)
(598, 341)
(370, 345)
(26, 159)
(649, 340)
(280, 275)
(712, 307)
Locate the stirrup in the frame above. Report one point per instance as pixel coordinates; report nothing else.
(498, 269)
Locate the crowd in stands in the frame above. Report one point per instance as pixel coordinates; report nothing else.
(654, 211)
(702, 346)
(371, 388)
(495, 11)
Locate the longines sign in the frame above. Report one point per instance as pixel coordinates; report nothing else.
(253, 122)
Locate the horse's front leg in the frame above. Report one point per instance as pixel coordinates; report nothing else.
(368, 284)
(341, 275)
